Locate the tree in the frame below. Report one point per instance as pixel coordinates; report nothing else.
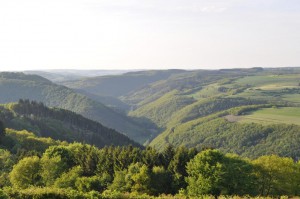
(151, 157)
(6, 164)
(119, 183)
(26, 173)
(239, 176)
(167, 155)
(205, 173)
(138, 178)
(277, 175)
(51, 169)
(177, 167)
(68, 179)
(86, 184)
(161, 181)
(211, 172)
(2, 129)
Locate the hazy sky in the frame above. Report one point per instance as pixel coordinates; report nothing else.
(138, 34)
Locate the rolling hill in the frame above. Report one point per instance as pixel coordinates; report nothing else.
(15, 86)
(119, 85)
(194, 108)
(59, 124)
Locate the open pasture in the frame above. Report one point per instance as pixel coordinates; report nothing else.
(287, 115)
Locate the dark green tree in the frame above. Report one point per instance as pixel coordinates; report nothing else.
(2, 129)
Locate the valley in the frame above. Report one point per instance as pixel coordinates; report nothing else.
(114, 136)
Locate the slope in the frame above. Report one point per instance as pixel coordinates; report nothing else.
(59, 124)
(15, 86)
(247, 139)
(118, 85)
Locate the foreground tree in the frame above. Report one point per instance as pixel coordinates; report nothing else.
(205, 173)
(138, 178)
(239, 176)
(277, 175)
(212, 172)
(26, 173)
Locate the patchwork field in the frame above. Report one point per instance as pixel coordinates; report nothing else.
(287, 115)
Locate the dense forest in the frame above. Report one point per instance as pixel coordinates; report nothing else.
(15, 86)
(246, 139)
(34, 167)
(191, 134)
(59, 124)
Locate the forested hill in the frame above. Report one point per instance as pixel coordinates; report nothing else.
(15, 86)
(188, 107)
(59, 124)
(118, 85)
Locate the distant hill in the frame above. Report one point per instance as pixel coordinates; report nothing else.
(118, 85)
(15, 86)
(194, 108)
(59, 124)
(59, 75)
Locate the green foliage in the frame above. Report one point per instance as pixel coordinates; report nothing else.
(206, 173)
(135, 179)
(119, 182)
(83, 171)
(52, 168)
(138, 178)
(20, 86)
(277, 175)
(211, 172)
(59, 124)
(2, 130)
(87, 184)
(246, 139)
(68, 179)
(49, 193)
(26, 173)
(161, 181)
(161, 110)
(177, 167)
(7, 160)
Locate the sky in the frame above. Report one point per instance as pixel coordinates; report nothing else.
(148, 34)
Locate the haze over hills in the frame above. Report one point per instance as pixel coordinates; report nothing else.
(149, 99)
(183, 104)
(58, 75)
(15, 86)
(231, 123)
(201, 108)
(118, 85)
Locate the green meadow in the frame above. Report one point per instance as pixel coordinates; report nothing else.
(287, 115)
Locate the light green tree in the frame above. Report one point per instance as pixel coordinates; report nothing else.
(205, 173)
(119, 183)
(68, 179)
(51, 169)
(26, 173)
(277, 175)
(6, 164)
(138, 178)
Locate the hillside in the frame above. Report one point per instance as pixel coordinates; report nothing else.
(118, 85)
(249, 139)
(60, 75)
(179, 103)
(59, 124)
(15, 86)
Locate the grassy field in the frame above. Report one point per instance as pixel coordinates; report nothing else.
(257, 81)
(287, 115)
